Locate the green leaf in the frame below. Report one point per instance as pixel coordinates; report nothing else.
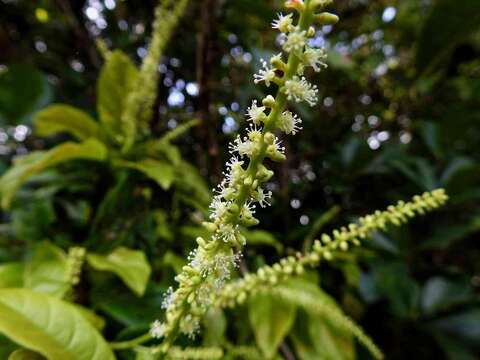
(23, 90)
(32, 220)
(130, 265)
(11, 275)
(37, 161)
(262, 237)
(179, 130)
(6, 347)
(449, 22)
(431, 137)
(96, 321)
(445, 235)
(454, 349)
(23, 354)
(144, 353)
(320, 305)
(47, 270)
(174, 261)
(271, 320)
(192, 183)
(394, 282)
(161, 172)
(49, 326)
(59, 118)
(215, 325)
(464, 325)
(117, 79)
(330, 340)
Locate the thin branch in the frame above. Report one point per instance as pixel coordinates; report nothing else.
(206, 55)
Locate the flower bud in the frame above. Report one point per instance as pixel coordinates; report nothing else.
(269, 101)
(326, 18)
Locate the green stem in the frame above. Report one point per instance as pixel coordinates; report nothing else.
(252, 169)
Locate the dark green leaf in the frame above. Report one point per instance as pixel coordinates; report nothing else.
(449, 22)
(161, 172)
(11, 275)
(35, 162)
(23, 90)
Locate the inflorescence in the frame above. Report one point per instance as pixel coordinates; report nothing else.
(237, 197)
(325, 249)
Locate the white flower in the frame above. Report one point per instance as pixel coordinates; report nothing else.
(315, 58)
(227, 233)
(223, 190)
(248, 209)
(266, 74)
(254, 134)
(299, 89)
(295, 41)
(157, 329)
(262, 197)
(218, 208)
(283, 23)
(289, 123)
(189, 326)
(243, 147)
(277, 144)
(168, 299)
(233, 163)
(256, 113)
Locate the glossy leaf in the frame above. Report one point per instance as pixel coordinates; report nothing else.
(271, 320)
(37, 161)
(130, 265)
(47, 270)
(60, 118)
(49, 326)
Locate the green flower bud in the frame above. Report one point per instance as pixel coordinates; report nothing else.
(326, 18)
(269, 101)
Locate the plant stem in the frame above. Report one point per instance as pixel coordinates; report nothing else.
(278, 107)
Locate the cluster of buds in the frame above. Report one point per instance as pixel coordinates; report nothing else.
(75, 260)
(242, 190)
(325, 249)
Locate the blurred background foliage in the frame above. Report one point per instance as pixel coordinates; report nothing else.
(399, 115)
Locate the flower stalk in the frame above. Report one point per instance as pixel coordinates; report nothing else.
(241, 191)
(237, 292)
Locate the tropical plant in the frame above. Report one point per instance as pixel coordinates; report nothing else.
(62, 288)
